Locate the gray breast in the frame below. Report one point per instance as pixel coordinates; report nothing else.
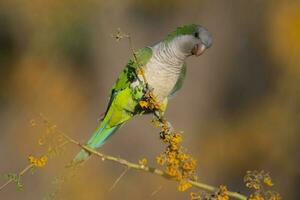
(161, 77)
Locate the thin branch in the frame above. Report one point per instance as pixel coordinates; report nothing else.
(118, 179)
(156, 191)
(137, 61)
(131, 165)
(27, 168)
(30, 166)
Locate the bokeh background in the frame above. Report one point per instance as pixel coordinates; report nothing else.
(239, 107)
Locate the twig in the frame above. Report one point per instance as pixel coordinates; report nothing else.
(118, 179)
(27, 168)
(137, 61)
(131, 165)
(156, 191)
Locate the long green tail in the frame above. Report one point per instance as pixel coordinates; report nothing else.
(97, 140)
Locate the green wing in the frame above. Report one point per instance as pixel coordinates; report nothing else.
(128, 76)
(179, 82)
(121, 106)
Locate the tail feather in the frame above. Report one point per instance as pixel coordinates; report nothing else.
(80, 157)
(97, 140)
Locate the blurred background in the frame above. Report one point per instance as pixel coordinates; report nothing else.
(239, 107)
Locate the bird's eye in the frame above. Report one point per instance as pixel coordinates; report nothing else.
(196, 34)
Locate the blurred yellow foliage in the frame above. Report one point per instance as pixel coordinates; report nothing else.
(183, 186)
(222, 193)
(38, 162)
(143, 162)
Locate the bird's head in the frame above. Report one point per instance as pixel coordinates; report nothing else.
(190, 39)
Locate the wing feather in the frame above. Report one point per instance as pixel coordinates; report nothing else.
(128, 75)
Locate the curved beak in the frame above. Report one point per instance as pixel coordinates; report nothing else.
(198, 49)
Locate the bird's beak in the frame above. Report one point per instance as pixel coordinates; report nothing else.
(198, 49)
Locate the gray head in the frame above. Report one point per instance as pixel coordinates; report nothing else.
(190, 39)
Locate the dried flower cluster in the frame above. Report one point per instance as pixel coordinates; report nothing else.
(52, 139)
(38, 162)
(150, 102)
(119, 35)
(176, 162)
(54, 142)
(259, 182)
(143, 162)
(221, 194)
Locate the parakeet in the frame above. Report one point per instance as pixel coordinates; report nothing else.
(164, 68)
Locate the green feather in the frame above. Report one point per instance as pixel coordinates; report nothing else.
(184, 30)
(122, 104)
(128, 75)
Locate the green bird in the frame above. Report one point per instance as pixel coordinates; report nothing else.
(164, 68)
